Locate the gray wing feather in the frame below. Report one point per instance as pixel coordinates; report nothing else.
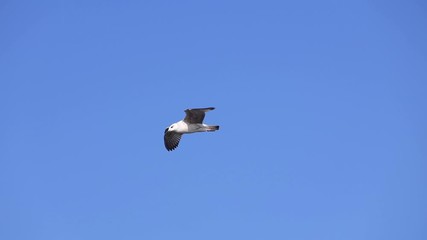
(196, 115)
(172, 140)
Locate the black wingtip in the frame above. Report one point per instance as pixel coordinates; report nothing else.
(170, 148)
(205, 109)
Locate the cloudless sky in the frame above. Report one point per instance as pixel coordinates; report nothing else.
(322, 107)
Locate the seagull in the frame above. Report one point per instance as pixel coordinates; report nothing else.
(193, 122)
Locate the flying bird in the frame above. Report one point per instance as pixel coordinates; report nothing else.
(193, 122)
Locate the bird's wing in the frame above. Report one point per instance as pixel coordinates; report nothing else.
(196, 115)
(172, 140)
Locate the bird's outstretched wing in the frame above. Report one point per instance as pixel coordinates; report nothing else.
(172, 140)
(196, 115)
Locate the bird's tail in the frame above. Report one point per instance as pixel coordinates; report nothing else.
(212, 128)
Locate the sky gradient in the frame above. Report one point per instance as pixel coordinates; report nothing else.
(322, 107)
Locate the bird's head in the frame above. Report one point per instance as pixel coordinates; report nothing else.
(171, 128)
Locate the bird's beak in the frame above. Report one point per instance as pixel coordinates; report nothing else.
(166, 130)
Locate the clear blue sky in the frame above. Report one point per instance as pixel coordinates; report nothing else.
(322, 107)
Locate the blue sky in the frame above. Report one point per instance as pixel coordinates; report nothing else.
(322, 107)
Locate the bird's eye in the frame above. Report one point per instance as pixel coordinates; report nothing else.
(171, 126)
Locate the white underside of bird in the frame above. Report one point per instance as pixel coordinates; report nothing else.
(182, 127)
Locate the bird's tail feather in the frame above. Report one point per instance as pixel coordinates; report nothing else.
(213, 128)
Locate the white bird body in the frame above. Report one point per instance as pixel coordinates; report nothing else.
(180, 127)
(192, 123)
(183, 127)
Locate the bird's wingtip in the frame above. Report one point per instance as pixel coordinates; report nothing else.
(202, 109)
